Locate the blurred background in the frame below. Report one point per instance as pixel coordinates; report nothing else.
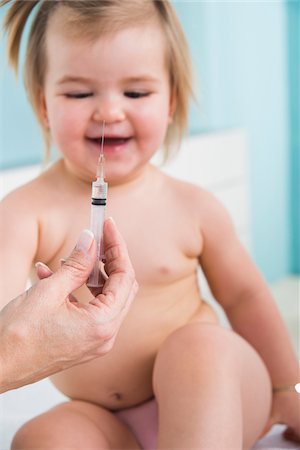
(246, 60)
(246, 57)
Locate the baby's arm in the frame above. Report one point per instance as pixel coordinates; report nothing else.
(18, 243)
(240, 289)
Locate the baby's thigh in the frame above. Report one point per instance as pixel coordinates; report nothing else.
(75, 425)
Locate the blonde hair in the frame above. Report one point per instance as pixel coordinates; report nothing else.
(88, 19)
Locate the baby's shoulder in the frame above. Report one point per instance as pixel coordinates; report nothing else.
(197, 199)
(33, 197)
(19, 212)
(189, 192)
(27, 195)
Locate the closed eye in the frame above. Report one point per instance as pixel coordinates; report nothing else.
(136, 94)
(79, 95)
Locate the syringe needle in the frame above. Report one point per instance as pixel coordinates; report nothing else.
(100, 166)
(102, 139)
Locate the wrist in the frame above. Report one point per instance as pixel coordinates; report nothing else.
(4, 361)
(15, 354)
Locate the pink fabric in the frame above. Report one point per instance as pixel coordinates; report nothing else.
(143, 421)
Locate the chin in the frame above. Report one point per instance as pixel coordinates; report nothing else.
(115, 177)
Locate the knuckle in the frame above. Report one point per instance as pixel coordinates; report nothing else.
(131, 274)
(118, 265)
(105, 343)
(103, 331)
(76, 265)
(108, 346)
(44, 289)
(113, 252)
(118, 259)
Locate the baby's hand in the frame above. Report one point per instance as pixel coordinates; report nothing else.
(286, 410)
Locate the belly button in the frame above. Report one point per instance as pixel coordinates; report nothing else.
(117, 396)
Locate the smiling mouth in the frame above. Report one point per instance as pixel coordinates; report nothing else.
(110, 141)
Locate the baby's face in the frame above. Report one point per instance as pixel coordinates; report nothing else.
(121, 79)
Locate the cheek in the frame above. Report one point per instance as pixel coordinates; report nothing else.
(65, 122)
(154, 120)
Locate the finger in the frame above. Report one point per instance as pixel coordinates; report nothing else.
(96, 290)
(118, 294)
(72, 299)
(129, 300)
(102, 270)
(120, 287)
(291, 435)
(78, 266)
(42, 270)
(115, 311)
(116, 253)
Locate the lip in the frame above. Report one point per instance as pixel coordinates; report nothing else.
(112, 144)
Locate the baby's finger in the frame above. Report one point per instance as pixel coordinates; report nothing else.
(290, 435)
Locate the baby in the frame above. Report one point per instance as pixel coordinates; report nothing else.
(126, 63)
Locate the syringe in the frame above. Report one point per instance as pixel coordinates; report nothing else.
(98, 201)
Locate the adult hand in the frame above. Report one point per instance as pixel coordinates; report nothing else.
(45, 330)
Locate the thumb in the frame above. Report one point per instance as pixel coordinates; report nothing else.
(78, 266)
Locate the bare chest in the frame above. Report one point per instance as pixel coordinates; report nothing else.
(163, 242)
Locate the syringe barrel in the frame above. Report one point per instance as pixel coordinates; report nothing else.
(97, 220)
(99, 191)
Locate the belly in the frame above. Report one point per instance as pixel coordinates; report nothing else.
(123, 377)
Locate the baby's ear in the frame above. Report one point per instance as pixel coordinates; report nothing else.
(43, 110)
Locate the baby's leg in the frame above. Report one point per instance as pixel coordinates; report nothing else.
(212, 388)
(75, 425)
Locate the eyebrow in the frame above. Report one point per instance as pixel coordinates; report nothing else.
(134, 79)
(72, 79)
(141, 78)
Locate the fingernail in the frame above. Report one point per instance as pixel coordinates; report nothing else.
(85, 240)
(111, 219)
(40, 264)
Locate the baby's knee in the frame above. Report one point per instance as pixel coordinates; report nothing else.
(64, 426)
(27, 437)
(196, 339)
(194, 345)
(41, 430)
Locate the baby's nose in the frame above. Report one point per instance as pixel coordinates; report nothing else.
(109, 110)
